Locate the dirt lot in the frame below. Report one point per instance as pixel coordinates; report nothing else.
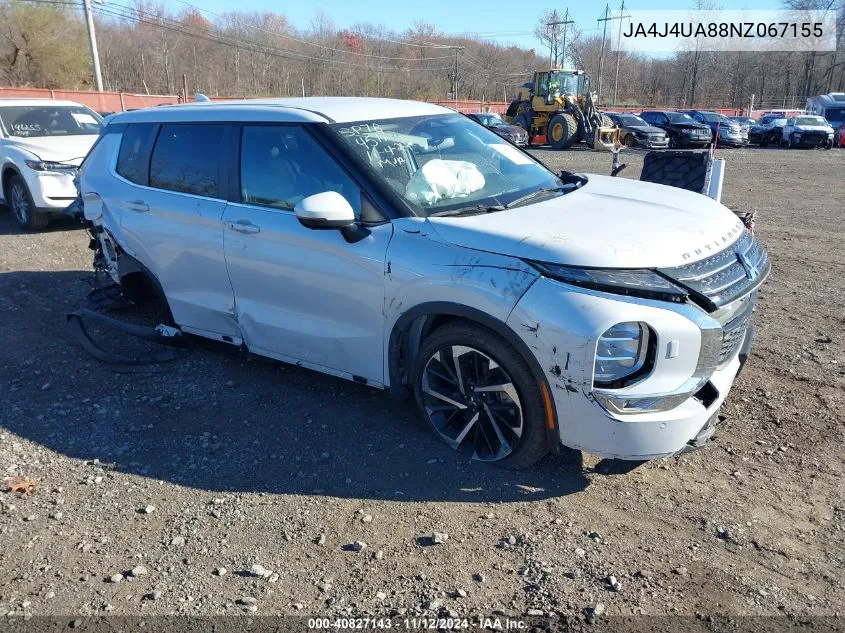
(222, 461)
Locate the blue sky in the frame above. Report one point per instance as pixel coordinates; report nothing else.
(506, 21)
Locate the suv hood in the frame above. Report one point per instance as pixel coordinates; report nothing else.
(57, 148)
(690, 126)
(509, 129)
(813, 128)
(648, 129)
(609, 223)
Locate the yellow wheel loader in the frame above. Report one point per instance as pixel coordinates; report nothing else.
(558, 104)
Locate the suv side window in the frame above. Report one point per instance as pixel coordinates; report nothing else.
(282, 164)
(186, 158)
(133, 161)
(648, 117)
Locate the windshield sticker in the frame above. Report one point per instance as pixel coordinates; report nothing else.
(367, 129)
(511, 153)
(24, 129)
(83, 118)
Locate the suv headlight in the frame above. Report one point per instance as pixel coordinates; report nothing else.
(47, 165)
(631, 282)
(622, 353)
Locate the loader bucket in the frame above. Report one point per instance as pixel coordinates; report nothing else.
(605, 139)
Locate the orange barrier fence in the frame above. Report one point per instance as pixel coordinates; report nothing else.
(122, 101)
(99, 101)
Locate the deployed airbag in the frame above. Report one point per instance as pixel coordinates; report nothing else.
(439, 179)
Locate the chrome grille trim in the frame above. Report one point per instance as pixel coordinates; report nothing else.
(726, 276)
(733, 331)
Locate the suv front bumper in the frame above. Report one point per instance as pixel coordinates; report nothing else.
(51, 191)
(571, 320)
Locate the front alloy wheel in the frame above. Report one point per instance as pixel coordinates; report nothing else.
(20, 201)
(478, 393)
(470, 399)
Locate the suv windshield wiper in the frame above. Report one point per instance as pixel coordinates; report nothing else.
(474, 209)
(539, 192)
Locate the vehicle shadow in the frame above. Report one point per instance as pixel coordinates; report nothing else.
(9, 226)
(221, 420)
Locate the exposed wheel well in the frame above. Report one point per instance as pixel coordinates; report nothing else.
(141, 286)
(8, 172)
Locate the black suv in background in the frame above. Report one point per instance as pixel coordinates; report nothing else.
(682, 130)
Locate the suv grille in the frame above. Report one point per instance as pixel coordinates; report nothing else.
(733, 331)
(725, 276)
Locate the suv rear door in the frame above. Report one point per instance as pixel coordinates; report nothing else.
(302, 295)
(171, 202)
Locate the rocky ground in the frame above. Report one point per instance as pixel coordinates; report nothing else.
(225, 484)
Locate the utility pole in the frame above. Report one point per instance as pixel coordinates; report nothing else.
(457, 50)
(566, 22)
(455, 82)
(751, 107)
(607, 18)
(619, 50)
(92, 40)
(553, 41)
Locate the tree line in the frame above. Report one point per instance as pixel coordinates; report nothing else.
(148, 48)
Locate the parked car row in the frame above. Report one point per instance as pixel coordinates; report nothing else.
(657, 129)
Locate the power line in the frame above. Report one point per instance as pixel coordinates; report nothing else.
(139, 17)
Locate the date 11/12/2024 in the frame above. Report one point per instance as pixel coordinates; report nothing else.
(495, 623)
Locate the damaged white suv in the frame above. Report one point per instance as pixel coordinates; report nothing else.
(401, 245)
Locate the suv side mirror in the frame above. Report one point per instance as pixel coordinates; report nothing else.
(327, 210)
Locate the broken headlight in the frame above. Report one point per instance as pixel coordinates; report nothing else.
(631, 282)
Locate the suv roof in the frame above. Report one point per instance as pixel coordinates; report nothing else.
(301, 109)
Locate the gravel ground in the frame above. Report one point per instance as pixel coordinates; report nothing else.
(224, 484)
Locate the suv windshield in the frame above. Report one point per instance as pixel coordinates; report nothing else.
(679, 117)
(447, 163)
(631, 119)
(31, 121)
(489, 119)
(810, 120)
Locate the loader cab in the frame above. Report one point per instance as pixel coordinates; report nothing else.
(549, 85)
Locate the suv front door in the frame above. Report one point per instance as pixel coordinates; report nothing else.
(302, 295)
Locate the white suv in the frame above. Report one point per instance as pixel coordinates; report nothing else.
(42, 142)
(404, 246)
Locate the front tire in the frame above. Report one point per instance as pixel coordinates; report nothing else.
(478, 392)
(562, 131)
(23, 208)
(630, 140)
(673, 142)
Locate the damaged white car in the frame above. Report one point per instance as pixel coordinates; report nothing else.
(402, 245)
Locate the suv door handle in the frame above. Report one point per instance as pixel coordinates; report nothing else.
(244, 226)
(138, 205)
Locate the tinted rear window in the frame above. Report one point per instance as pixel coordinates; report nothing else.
(186, 159)
(133, 161)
